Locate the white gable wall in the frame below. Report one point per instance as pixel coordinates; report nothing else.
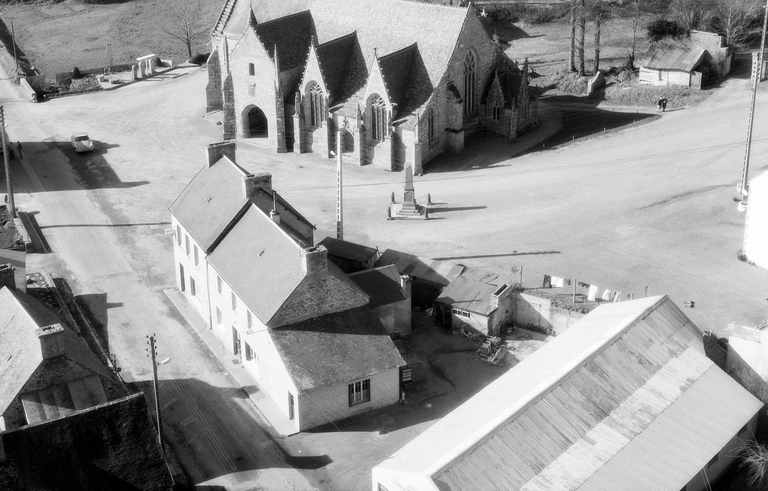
(756, 224)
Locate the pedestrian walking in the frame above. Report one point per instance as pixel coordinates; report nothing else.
(658, 104)
(663, 104)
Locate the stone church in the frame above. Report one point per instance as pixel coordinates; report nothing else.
(400, 81)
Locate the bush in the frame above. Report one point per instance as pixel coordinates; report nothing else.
(661, 28)
(754, 458)
(76, 73)
(199, 59)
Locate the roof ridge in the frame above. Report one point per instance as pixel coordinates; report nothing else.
(284, 17)
(353, 33)
(410, 46)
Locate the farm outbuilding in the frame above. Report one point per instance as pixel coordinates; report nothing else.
(676, 66)
(483, 307)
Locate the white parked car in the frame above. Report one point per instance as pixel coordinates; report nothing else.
(81, 142)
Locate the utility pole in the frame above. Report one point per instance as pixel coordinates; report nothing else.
(339, 192)
(153, 355)
(744, 191)
(15, 59)
(11, 204)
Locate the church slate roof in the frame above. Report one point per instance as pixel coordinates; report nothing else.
(343, 66)
(291, 35)
(434, 28)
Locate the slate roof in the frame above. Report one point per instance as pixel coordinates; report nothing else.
(20, 351)
(438, 272)
(435, 28)
(112, 446)
(465, 293)
(60, 400)
(625, 398)
(291, 34)
(673, 58)
(260, 262)
(381, 284)
(335, 349)
(347, 250)
(210, 201)
(343, 66)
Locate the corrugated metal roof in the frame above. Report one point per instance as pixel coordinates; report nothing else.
(569, 414)
(260, 262)
(210, 201)
(673, 58)
(438, 272)
(347, 250)
(467, 294)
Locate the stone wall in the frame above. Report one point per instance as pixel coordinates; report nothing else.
(213, 96)
(319, 293)
(530, 309)
(328, 404)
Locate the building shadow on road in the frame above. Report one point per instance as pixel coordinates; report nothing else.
(211, 432)
(42, 162)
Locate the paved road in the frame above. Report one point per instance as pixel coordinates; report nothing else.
(213, 431)
(644, 205)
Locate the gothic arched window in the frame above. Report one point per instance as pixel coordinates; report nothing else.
(470, 67)
(431, 126)
(496, 111)
(316, 106)
(378, 119)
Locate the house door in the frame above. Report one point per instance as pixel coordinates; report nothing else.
(235, 341)
(290, 406)
(182, 282)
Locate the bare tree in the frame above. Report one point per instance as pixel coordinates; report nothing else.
(582, 20)
(692, 14)
(572, 52)
(601, 11)
(733, 19)
(184, 23)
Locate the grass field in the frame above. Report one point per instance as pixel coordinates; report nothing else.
(56, 37)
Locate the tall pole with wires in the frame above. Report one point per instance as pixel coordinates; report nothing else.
(756, 73)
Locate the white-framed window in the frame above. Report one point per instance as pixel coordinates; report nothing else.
(234, 301)
(197, 256)
(178, 235)
(461, 313)
(316, 105)
(359, 392)
(219, 317)
(218, 283)
(186, 244)
(496, 111)
(378, 119)
(249, 319)
(251, 69)
(470, 69)
(192, 287)
(248, 351)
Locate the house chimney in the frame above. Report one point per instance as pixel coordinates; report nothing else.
(496, 294)
(51, 340)
(253, 182)
(405, 285)
(216, 151)
(315, 259)
(274, 215)
(7, 276)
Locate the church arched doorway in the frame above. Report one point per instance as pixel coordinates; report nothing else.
(255, 124)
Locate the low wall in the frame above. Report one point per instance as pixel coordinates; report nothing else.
(63, 77)
(530, 309)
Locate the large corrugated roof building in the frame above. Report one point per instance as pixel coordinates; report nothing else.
(625, 399)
